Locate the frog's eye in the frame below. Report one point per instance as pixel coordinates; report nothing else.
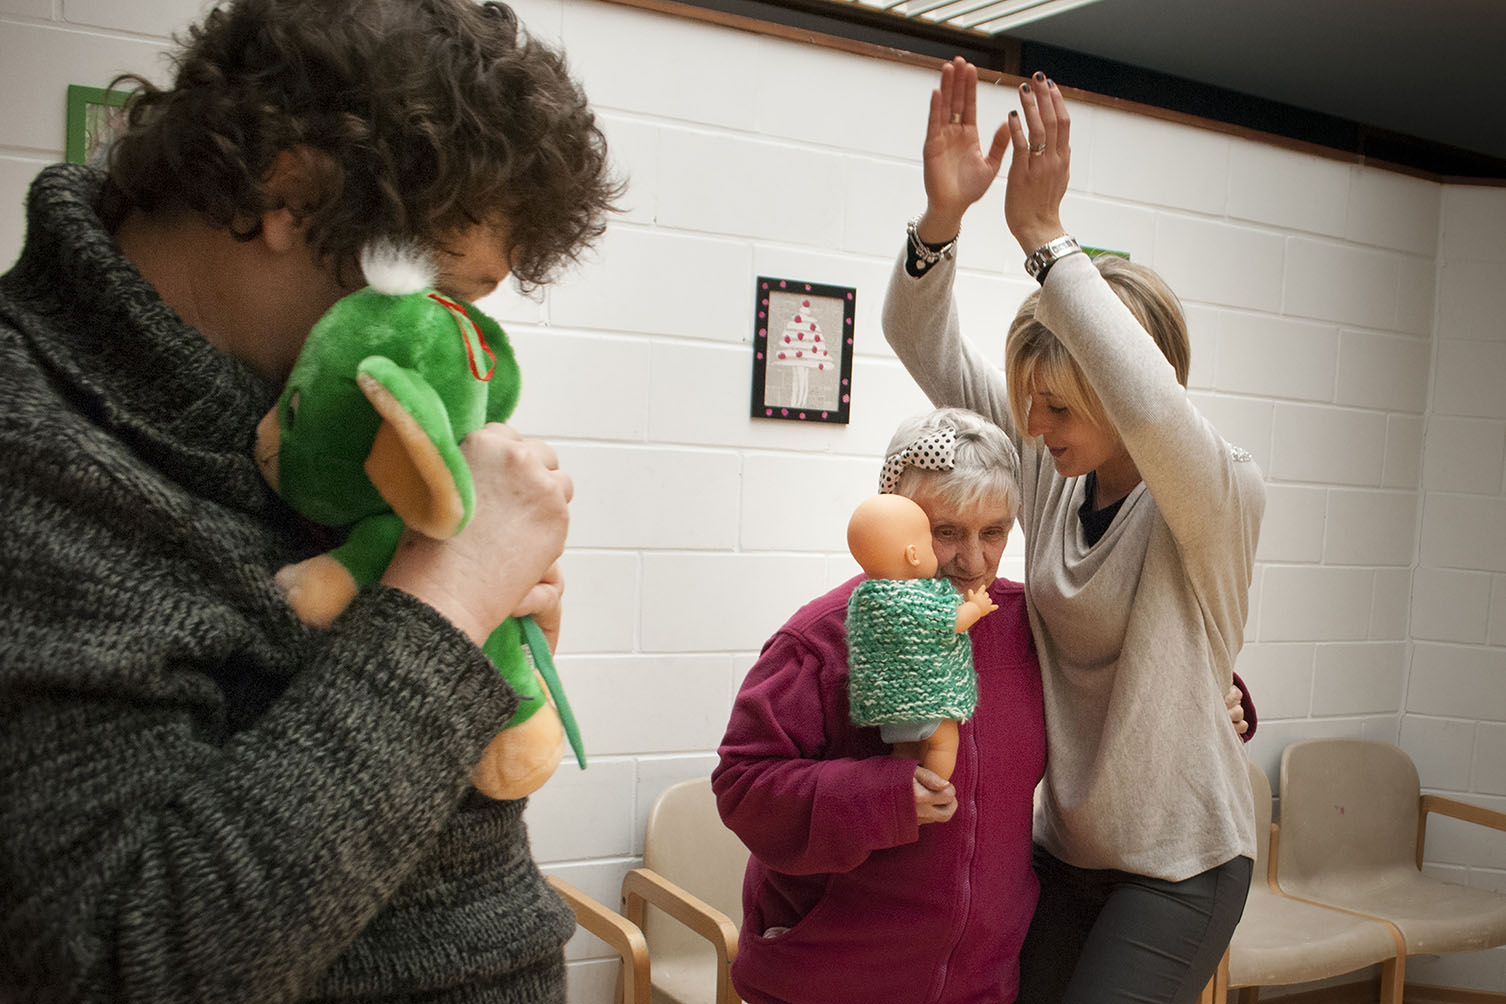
(290, 410)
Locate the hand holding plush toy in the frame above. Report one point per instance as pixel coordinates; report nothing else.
(910, 660)
(366, 437)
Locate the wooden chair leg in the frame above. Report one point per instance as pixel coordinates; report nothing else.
(619, 933)
(1393, 980)
(1248, 995)
(1217, 990)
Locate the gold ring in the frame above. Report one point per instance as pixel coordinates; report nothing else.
(1038, 149)
(956, 118)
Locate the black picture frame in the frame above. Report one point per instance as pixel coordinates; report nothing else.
(801, 372)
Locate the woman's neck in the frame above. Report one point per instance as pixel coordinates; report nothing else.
(1114, 480)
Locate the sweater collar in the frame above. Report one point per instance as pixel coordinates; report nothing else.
(125, 355)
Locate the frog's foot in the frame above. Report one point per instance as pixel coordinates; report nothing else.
(522, 758)
(319, 589)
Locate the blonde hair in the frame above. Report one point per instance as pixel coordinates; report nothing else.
(1033, 357)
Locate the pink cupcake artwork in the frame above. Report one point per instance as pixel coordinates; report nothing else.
(802, 350)
(799, 351)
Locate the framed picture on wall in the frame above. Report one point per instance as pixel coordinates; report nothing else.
(802, 350)
(95, 117)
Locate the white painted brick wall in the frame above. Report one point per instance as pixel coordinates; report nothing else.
(1464, 531)
(1349, 329)
(1403, 462)
(1457, 687)
(1220, 262)
(1288, 191)
(1331, 281)
(1461, 681)
(1316, 603)
(1336, 445)
(1173, 164)
(1293, 528)
(1383, 371)
(1451, 605)
(1277, 357)
(1391, 615)
(1467, 378)
(1394, 211)
(28, 8)
(1464, 455)
(1371, 528)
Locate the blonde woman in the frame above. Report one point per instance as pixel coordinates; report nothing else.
(1140, 527)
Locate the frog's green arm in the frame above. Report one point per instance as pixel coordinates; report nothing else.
(369, 547)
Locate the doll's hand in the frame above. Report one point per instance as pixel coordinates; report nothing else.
(979, 598)
(977, 605)
(935, 799)
(481, 575)
(544, 603)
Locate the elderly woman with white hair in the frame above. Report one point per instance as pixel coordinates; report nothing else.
(871, 878)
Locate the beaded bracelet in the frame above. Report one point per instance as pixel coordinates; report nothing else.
(925, 255)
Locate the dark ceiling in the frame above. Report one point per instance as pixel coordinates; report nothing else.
(1434, 70)
(1415, 83)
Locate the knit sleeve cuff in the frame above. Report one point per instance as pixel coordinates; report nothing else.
(409, 656)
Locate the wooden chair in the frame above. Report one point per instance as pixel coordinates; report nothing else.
(1353, 823)
(692, 875)
(621, 935)
(1217, 990)
(1282, 941)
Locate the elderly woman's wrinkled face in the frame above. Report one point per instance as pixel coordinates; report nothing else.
(968, 540)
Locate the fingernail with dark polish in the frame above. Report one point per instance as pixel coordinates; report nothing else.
(1040, 76)
(1025, 87)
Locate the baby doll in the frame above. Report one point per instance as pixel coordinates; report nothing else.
(910, 661)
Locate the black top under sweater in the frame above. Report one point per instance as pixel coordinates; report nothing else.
(200, 798)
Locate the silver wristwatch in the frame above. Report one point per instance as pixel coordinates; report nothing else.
(1039, 261)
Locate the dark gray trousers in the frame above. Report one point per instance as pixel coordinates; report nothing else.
(1106, 936)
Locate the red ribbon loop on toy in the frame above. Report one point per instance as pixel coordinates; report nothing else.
(468, 328)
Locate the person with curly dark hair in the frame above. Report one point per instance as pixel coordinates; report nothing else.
(200, 797)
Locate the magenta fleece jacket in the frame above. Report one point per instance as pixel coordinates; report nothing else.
(879, 909)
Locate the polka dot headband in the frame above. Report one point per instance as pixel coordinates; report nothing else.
(936, 452)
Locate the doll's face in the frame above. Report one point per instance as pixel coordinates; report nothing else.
(968, 540)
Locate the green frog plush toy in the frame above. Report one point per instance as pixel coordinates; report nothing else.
(366, 438)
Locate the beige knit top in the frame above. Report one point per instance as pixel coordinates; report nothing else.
(1137, 634)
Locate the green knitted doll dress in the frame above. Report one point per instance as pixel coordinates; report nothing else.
(906, 660)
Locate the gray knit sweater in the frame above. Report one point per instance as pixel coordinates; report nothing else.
(1137, 633)
(200, 799)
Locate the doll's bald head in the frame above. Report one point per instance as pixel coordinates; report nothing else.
(890, 537)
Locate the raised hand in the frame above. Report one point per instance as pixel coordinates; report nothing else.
(1038, 170)
(957, 172)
